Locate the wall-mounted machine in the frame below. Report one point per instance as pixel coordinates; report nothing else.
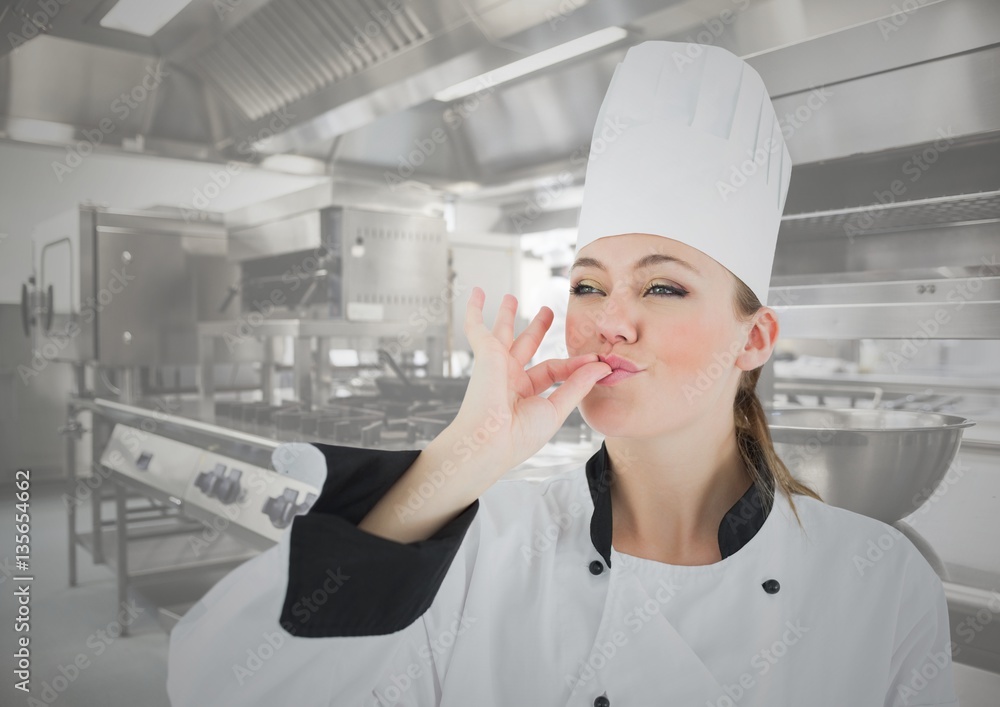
(125, 288)
(339, 262)
(318, 277)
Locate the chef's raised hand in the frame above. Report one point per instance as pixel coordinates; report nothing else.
(502, 421)
(503, 414)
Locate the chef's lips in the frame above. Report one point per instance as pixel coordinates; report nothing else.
(617, 362)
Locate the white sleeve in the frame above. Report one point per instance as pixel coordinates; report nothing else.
(921, 665)
(231, 650)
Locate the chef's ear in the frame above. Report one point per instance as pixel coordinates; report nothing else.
(760, 340)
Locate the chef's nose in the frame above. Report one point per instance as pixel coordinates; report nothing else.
(615, 320)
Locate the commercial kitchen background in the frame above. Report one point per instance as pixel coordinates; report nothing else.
(230, 223)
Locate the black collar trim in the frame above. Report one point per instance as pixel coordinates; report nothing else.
(738, 526)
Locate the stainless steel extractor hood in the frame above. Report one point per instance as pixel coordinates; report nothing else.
(350, 84)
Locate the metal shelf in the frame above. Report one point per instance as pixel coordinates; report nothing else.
(925, 303)
(155, 555)
(960, 209)
(904, 320)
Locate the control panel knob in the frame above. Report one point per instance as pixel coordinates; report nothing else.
(282, 509)
(219, 483)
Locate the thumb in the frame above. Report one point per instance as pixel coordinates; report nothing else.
(568, 395)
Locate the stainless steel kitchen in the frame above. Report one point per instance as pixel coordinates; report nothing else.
(280, 280)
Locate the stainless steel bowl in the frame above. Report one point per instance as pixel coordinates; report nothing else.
(881, 463)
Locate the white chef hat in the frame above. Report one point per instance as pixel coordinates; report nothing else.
(687, 146)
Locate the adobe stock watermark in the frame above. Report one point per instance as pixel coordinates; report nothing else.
(712, 29)
(362, 38)
(931, 327)
(970, 627)
(35, 22)
(536, 205)
(925, 499)
(122, 107)
(133, 439)
(937, 661)
(797, 458)
(308, 269)
(423, 317)
(879, 547)
(761, 664)
(920, 678)
(914, 168)
(231, 513)
(224, 7)
(706, 378)
(256, 487)
(464, 449)
(636, 619)
(610, 130)
(271, 642)
(361, 47)
(220, 179)
(307, 605)
(740, 174)
(294, 277)
(58, 341)
(876, 549)
(97, 643)
(258, 655)
(543, 539)
(424, 148)
(899, 17)
(722, 362)
(560, 12)
(578, 337)
(399, 683)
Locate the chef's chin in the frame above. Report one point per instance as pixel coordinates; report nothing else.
(612, 415)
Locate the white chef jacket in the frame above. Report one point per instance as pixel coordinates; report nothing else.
(522, 600)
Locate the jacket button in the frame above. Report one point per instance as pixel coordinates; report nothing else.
(771, 586)
(596, 567)
(602, 701)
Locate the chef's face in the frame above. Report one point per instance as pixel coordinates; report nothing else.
(673, 318)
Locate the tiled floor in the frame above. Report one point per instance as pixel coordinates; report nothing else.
(69, 626)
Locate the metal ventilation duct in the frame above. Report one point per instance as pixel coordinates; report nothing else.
(290, 49)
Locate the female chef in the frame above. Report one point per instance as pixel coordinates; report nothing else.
(683, 565)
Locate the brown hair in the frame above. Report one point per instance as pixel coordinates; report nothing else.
(753, 436)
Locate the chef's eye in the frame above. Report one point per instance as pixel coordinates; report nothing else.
(668, 290)
(580, 289)
(662, 290)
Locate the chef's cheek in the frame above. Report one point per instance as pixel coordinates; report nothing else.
(688, 350)
(581, 335)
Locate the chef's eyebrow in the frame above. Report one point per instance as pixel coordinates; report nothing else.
(644, 262)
